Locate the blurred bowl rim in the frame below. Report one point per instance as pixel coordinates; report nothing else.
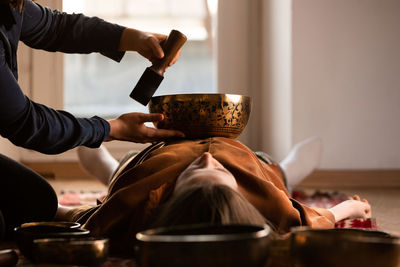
(153, 235)
(50, 223)
(202, 94)
(68, 230)
(71, 241)
(349, 234)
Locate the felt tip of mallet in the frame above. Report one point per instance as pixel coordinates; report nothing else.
(146, 86)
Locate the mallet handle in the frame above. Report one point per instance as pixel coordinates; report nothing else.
(172, 44)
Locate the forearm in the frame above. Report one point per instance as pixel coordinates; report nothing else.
(351, 209)
(35, 126)
(51, 30)
(339, 213)
(51, 132)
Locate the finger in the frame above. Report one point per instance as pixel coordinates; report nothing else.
(156, 47)
(367, 210)
(158, 134)
(175, 58)
(162, 133)
(152, 117)
(356, 197)
(368, 213)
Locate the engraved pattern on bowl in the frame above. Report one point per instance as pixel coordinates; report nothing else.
(203, 115)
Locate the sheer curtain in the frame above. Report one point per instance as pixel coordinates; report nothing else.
(254, 58)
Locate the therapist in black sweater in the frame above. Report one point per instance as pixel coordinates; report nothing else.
(24, 195)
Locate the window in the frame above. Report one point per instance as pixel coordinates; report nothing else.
(88, 85)
(96, 85)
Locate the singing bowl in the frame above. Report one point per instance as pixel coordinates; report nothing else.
(26, 235)
(344, 247)
(76, 251)
(204, 245)
(203, 115)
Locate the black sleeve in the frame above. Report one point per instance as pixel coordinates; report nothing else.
(34, 126)
(52, 30)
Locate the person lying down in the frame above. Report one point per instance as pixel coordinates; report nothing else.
(214, 180)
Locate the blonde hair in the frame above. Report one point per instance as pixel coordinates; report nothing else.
(207, 203)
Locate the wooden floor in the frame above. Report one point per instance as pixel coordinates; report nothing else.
(383, 194)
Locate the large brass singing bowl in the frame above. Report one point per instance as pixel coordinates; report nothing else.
(204, 245)
(203, 115)
(344, 248)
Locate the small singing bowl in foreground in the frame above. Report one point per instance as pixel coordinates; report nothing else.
(26, 235)
(204, 245)
(344, 247)
(76, 251)
(203, 115)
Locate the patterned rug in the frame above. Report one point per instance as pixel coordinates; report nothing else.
(73, 198)
(328, 199)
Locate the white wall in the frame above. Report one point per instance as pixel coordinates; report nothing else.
(316, 67)
(346, 80)
(233, 51)
(254, 51)
(276, 83)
